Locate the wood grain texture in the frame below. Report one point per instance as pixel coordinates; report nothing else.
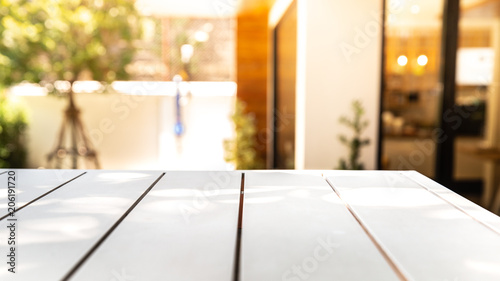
(33, 183)
(461, 204)
(296, 228)
(426, 236)
(185, 229)
(295, 225)
(252, 47)
(57, 230)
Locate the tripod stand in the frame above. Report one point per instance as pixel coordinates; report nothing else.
(80, 146)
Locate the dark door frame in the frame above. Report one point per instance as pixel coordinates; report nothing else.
(445, 134)
(449, 44)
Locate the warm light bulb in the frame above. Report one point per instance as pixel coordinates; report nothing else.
(422, 60)
(402, 60)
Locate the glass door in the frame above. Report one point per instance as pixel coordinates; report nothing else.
(474, 116)
(411, 85)
(441, 94)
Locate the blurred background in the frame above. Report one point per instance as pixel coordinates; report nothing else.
(254, 84)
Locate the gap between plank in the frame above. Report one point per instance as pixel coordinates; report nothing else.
(453, 205)
(43, 195)
(379, 247)
(113, 227)
(236, 273)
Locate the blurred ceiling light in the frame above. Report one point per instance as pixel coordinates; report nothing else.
(402, 60)
(415, 9)
(186, 53)
(201, 36)
(422, 60)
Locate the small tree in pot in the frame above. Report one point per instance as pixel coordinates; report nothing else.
(56, 43)
(355, 143)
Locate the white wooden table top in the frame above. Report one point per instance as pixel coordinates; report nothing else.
(241, 225)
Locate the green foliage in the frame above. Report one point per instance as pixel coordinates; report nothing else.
(46, 40)
(12, 142)
(356, 142)
(241, 150)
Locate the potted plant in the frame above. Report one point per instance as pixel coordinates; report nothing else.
(356, 142)
(56, 43)
(240, 151)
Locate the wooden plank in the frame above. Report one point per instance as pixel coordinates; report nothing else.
(429, 238)
(470, 208)
(296, 228)
(32, 184)
(185, 229)
(53, 233)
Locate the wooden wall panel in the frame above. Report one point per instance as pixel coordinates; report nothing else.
(252, 53)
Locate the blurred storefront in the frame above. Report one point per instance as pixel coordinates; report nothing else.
(440, 90)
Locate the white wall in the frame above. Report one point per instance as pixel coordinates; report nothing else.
(136, 131)
(207, 124)
(339, 56)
